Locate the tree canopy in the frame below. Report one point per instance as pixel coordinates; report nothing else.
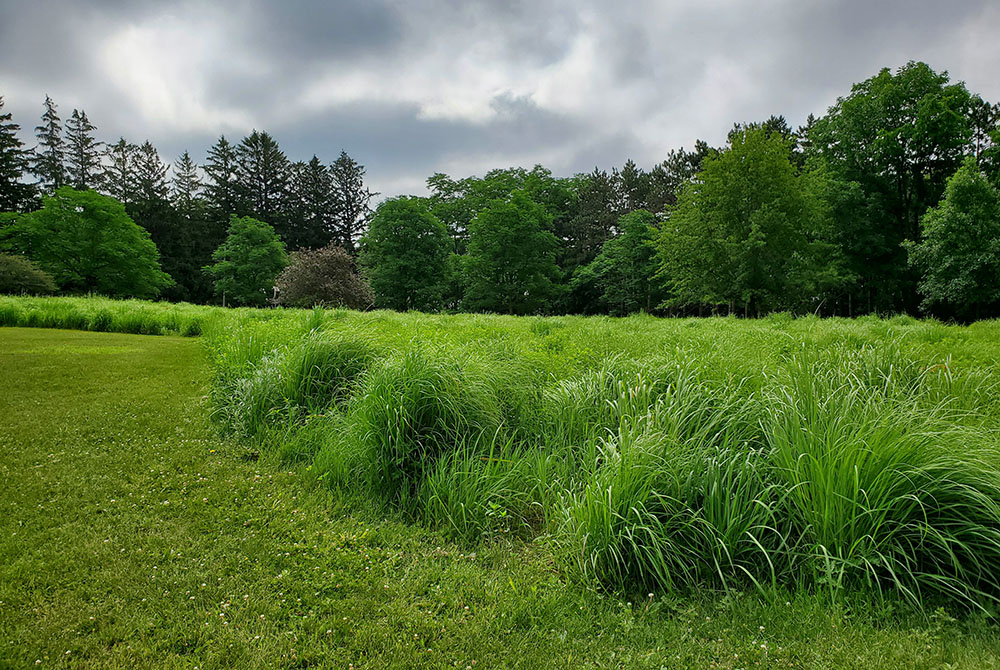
(247, 263)
(511, 266)
(958, 256)
(405, 256)
(847, 213)
(87, 242)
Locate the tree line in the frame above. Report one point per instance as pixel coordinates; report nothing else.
(186, 208)
(887, 203)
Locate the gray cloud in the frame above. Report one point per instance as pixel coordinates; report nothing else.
(410, 88)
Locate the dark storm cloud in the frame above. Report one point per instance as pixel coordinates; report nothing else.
(410, 88)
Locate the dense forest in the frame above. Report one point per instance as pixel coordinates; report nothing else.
(887, 203)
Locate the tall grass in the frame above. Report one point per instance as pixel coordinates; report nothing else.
(824, 455)
(819, 455)
(106, 315)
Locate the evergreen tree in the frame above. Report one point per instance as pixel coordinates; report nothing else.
(196, 229)
(119, 176)
(50, 155)
(262, 172)
(222, 192)
(83, 152)
(633, 187)
(150, 175)
(153, 210)
(186, 184)
(15, 194)
(598, 208)
(668, 178)
(351, 199)
(310, 206)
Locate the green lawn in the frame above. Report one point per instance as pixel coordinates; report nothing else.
(131, 536)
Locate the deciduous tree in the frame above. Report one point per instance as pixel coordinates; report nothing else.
(958, 256)
(511, 266)
(326, 277)
(247, 263)
(87, 242)
(405, 254)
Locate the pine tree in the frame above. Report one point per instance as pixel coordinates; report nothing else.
(262, 171)
(310, 206)
(196, 227)
(351, 199)
(83, 153)
(186, 185)
(222, 190)
(119, 176)
(150, 175)
(15, 194)
(50, 155)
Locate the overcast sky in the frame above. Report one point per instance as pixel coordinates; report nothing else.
(409, 88)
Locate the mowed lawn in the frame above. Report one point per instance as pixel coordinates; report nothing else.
(132, 537)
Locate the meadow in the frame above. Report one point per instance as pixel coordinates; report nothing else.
(810, 475)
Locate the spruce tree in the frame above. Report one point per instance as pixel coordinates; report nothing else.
(262, 171)
(310, 208)
(186, 185)
(351, 199)
(150, 175)
(83, 152)
(119, 176)
(50, 154)
(15, 194)
(222, 192)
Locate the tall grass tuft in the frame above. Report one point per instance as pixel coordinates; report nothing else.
(416, 407)
(884, 490)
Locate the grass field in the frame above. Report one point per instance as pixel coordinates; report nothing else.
(132, 535)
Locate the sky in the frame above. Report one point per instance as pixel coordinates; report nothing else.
(413, 87)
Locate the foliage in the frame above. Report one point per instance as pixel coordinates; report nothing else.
(49, 159)
(899, 136)
(83, 152)
(247, 263)
(262, 174)
(87, 242)
(15, 194)
(625, 270)
(325, 277)
(510, 267)
(19, 275)
(404, 254)
(959, 252)
(740, 235)
(350, 199)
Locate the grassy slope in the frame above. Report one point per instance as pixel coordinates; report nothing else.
(131, 537)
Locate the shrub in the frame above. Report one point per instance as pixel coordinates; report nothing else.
(20, 275)
(324, 277)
